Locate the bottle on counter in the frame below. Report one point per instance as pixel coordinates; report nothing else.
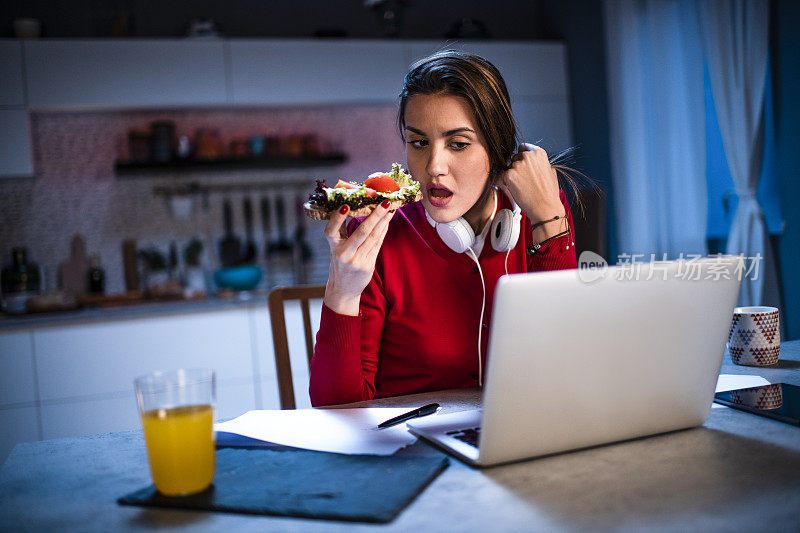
(97, 277)
(19, 281)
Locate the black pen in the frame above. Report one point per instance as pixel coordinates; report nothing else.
(425, 410)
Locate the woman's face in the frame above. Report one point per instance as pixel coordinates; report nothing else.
(448, 156)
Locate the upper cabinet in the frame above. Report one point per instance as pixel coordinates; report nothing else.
(530, 69)
(15, 144)
(12, 92)
(153, 73)
(336, 71)
(172, 72)
(315, 71)
(125, 73)
(536, 78)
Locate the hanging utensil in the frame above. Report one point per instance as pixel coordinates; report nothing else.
(230, 248)
(301, 251)
(300, 231)
(250, 243)
(173, 260)
(269, 244)
(266, 224)
(283, 246)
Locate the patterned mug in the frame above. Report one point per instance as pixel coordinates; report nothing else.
(764, 397)
(754, 338)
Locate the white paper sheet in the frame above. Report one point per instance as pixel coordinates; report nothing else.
(735, 381)
(350, 431)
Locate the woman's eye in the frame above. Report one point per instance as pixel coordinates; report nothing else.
(459, 145)
(418, 143)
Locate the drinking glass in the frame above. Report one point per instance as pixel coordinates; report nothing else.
(177, 417)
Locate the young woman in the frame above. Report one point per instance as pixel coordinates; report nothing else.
(407, 306)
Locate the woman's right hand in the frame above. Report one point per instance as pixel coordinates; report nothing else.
(353, 258)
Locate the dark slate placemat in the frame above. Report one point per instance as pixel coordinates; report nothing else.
(307, 484)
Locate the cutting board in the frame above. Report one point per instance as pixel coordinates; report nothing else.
(74, 272)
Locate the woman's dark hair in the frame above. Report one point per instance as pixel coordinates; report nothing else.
(476, 80)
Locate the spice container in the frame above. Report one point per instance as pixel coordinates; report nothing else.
(207, 144)
(139, 145)
(163, 143)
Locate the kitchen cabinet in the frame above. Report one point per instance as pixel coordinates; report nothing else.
(19, 424)
(17, 384)
(315, 71)
(104, 358)
(12, 90)
(131, 73)
(306, 71)
(125, 73)
(71, 379)
(152, 73)
(15, 144)
(87, 417)
(530, 69)
(18, 410)
(536, 78)
(15, 140)
(90, 416)
(262, 344)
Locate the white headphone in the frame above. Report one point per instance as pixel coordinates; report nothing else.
(459, 236)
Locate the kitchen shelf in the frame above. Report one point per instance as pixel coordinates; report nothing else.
(135, 168)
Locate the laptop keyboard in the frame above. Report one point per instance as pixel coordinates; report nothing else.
(470, 435)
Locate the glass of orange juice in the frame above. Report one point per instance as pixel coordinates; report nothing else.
(177, 410)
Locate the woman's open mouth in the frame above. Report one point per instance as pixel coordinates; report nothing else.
(438, 195)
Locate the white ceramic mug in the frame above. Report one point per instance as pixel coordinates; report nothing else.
(755, 337)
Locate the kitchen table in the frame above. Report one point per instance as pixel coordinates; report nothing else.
(737, 472)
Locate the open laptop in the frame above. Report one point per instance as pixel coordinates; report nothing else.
(579, 358)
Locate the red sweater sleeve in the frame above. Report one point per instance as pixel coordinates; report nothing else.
(338, 341)
(346, 352)
(558, 254)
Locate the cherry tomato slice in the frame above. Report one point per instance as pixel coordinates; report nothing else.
(382, 183)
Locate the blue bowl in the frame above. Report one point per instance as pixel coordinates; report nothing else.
(238, 278)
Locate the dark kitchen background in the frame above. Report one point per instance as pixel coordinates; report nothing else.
(78, 190)
(120, 208)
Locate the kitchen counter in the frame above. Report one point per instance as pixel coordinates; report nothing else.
(69, 374)
(145, 309)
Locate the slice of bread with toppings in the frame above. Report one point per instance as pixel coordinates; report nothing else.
(396, 186)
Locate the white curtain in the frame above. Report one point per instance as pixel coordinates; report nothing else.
(657, 122)
(735, 35)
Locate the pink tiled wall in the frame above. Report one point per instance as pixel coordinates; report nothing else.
(75, 189)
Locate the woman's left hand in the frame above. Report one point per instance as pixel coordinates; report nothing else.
(533, 184)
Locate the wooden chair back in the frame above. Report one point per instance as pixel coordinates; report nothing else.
(277, 297)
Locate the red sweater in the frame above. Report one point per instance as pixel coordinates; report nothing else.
(417, 329)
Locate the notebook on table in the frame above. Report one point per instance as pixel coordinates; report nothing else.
(575, 362)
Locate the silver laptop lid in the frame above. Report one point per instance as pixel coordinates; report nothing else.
(575, 363)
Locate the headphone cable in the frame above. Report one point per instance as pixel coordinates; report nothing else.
(471, 253)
